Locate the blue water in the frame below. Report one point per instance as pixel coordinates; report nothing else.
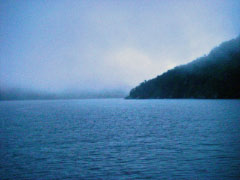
(120, 139)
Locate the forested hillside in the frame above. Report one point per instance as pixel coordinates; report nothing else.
(216, 75)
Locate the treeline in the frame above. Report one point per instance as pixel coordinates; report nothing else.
(216, 75)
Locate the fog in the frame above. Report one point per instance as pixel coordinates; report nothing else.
(105, 47)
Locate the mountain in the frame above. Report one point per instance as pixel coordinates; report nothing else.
(215, 76)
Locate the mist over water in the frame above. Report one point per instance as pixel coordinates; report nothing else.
(61, 51)
(89, 46)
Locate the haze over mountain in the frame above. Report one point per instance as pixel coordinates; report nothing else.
(216, 75)
(82, 49)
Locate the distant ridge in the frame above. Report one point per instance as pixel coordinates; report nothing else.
(215, 76)
(24, 94)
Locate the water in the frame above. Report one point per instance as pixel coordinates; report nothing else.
(120, 139)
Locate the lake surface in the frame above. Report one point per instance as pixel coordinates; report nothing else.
(120, 139)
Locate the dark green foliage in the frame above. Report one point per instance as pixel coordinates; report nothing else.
(214, 76)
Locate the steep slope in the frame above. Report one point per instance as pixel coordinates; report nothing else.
(214, 76)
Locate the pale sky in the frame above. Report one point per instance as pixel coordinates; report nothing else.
(59, 45)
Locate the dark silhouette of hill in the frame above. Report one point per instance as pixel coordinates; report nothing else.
(214, 76)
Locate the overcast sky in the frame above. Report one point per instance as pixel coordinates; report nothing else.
(57, 45)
